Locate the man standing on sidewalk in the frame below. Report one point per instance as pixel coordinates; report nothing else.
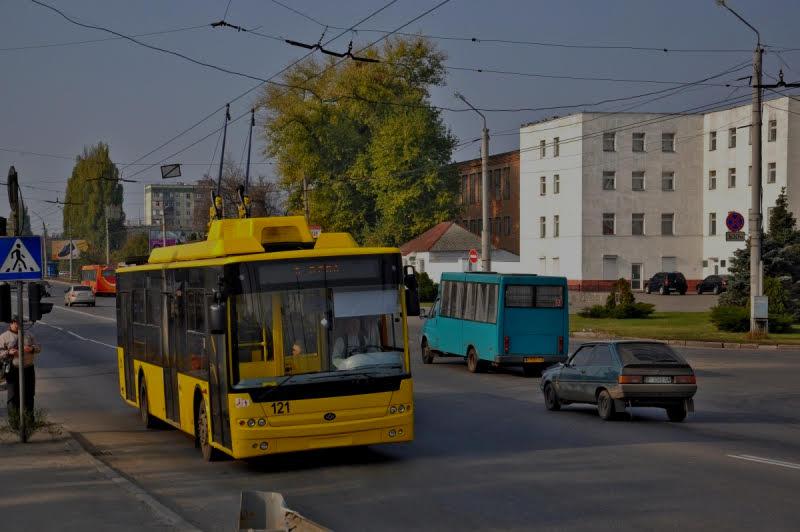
(9, 359)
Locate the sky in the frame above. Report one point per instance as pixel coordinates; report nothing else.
(56, 98)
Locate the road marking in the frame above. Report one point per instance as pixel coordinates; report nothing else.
(769, 461)
(78, 336)
(65, 309)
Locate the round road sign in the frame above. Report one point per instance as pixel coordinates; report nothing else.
(473, 256)
(734, 221)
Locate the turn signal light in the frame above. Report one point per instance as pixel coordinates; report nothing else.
(684, 379)
(506, 344)
(560, 345)
(630, 379)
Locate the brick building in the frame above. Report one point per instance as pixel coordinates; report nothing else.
(503, 197)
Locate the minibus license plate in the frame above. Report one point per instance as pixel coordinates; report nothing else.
(658, 380)
(533, 359)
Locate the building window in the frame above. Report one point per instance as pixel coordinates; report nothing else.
(556, 148)
(712, 180)
(542, 186)
(542, 149)
(772, 135)
(609, 223)
(712, 223)
(637, 180)
(496, 181)
(712, 141)
(506, 183)
(637, 223)
(668, 181)
(542, 227)
(556, 184)
(507, 225)
(638, 142)
(556, 226)
(731, 177)
(772, 173)
(464, 189)
(723, 263)
(732, 137)
(668, 224)
(609, 142)
(668, 142)
(609, 180)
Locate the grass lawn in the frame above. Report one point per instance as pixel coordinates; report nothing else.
(674, 326)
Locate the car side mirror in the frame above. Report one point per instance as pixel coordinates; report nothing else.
(216, 318)
(423, 313)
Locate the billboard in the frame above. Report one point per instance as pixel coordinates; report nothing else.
(62, 249)
(170, 238)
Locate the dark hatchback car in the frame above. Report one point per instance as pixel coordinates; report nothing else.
(715, 284)
(667, 282)
(617, 375)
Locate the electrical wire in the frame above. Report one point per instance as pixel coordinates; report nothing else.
(304, 15)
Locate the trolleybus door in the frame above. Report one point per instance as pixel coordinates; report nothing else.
(218, 384)
(125, 321)
(170, 331)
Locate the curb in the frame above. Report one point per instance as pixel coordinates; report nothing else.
(163, 514)
(689, 343)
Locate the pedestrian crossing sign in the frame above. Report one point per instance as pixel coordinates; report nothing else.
(21, 258)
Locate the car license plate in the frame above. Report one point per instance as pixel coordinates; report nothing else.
(533, 359)
(658, 380)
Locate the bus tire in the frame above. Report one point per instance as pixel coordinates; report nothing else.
(144, 406)
(203, 435)
(474, 364)
(427, 354)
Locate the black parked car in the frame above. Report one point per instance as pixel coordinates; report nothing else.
(666, 282)
(714, 284)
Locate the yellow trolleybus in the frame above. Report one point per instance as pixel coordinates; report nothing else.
(263, 340)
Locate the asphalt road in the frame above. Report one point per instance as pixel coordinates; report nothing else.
(488, 456)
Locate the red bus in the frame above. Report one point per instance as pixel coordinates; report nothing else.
(102, 279)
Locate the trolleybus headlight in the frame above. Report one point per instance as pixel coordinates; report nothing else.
(262, 422)
(400, 432)
(251, 422)
(392, 433)
(263, 446)
(401, 408)
(392, 409)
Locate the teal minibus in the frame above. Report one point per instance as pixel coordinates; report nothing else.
(500, 320)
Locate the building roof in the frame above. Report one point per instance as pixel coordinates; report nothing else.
(444, 236)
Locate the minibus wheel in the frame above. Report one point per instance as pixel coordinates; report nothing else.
(474, 364)
(427, 354)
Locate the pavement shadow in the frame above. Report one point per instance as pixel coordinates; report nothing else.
(323, 458)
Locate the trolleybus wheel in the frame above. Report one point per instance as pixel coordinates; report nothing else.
(144, 412)
(204, 435)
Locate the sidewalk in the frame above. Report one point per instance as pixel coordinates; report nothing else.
(54, 484)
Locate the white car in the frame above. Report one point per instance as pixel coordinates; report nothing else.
(78, 295)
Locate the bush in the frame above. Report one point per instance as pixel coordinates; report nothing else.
(731, 319)
(426, 287)
(780, 323)
(34, 422)
(595, 311)
(632, 311)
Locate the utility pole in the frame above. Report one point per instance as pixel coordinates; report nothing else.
(305, 199)
(486, 247)
(108, 247)
(69, 247)
(757, 326)
(163, 231)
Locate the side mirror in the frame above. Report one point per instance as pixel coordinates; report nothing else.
(412, 294)
(66, 290)
(216, 318)
(423, 313)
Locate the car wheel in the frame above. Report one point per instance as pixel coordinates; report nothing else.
(532, 370)
(716, 291)
(427, 354)
(144, 411)
(203, 435)
(662, 291)
(647, 289)
(677, 413)
(683, 292)
(474, 364)
(699, 290)
(605, 405)
(551, 401)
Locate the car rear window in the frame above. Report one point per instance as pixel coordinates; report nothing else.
(81, 289)
(647, 353)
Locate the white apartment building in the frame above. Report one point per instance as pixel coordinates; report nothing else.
(727, 171)
(173, 202)
(605, 196)
(610, 195)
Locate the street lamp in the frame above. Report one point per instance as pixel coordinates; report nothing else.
(757, 325)
(486, 248)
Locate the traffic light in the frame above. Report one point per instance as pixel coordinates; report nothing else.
(35, 306)
(5, 303)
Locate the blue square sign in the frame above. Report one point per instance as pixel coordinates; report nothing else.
(20, 258)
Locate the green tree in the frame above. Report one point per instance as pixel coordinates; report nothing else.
(365, 137)
(92, 187)
(136, 245)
